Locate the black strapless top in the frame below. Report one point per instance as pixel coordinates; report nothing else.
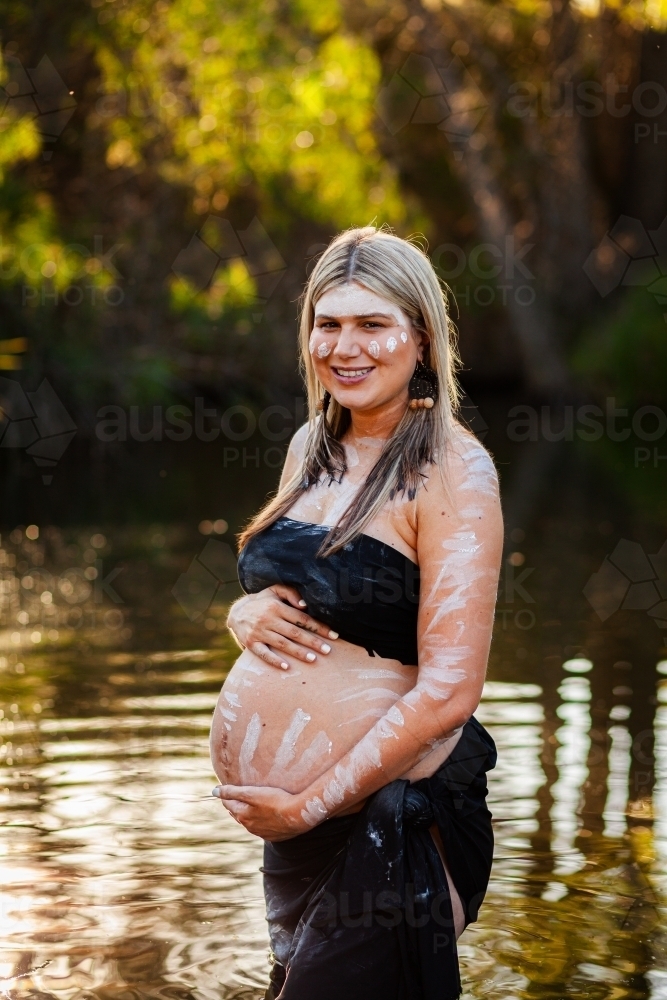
(368, 592)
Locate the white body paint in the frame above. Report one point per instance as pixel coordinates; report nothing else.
(248, 747)
(287, 749)
(392, 344)
(324, 350)
(404, 337)
(374, 349)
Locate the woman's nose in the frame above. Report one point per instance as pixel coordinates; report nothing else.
(347, 345)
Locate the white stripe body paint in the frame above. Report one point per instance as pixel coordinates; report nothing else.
(247, 772)
(368, 694)
(313, 755)
(287, 749)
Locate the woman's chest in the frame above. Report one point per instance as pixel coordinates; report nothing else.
(326, 503)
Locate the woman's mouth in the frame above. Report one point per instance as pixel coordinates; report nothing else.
(350, 376)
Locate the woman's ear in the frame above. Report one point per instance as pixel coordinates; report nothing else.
(423, 343)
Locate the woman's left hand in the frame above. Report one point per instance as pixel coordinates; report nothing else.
(269, 813)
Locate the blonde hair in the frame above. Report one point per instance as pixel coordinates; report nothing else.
(400, 271)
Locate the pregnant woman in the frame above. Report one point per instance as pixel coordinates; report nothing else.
(343, 735)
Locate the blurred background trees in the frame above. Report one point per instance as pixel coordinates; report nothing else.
(169, 171)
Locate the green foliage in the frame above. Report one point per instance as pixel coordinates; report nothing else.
(262, 109)
(625, 353)
(244, 99)
(204, 107)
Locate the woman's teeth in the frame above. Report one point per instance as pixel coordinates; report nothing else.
(352, 372)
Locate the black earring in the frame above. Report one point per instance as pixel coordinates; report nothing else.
(423, 388)
(323, 404)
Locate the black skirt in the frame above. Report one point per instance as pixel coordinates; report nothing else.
(359, 907)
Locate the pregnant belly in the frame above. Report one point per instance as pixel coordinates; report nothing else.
(285, 728)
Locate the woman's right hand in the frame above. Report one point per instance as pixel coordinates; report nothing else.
(273, 620)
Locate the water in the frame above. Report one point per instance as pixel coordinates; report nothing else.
(120, 876)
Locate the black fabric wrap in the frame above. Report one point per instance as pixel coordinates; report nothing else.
(368, 592)
(359, 908)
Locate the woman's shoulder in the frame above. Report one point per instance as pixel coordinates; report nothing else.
(297, 445)
(464, 468)
(468, 464)
(296, 452)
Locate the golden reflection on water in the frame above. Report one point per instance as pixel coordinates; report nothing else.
(120, 876)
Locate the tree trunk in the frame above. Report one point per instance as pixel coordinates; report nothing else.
(544, 365)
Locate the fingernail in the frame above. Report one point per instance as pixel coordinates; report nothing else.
(311, 657)
(333, 635)
(216, 791)
(302, 603)
(285, 666)
(325, 648)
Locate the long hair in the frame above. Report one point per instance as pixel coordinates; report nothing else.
(400, 271)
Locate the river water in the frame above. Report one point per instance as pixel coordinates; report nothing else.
(120, 875)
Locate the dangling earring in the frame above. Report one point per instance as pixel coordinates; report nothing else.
(423, 388)
(323, 404)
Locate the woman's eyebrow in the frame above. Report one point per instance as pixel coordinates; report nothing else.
(374, 315)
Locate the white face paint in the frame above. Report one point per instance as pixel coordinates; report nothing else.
(404, 337)
(324, 350)
(312, 342)
(374, 349)
(391, 344)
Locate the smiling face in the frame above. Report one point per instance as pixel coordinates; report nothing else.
(363, 347)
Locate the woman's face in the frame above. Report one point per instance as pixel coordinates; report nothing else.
(363, 347)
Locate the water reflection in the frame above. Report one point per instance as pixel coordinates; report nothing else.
(120, 876)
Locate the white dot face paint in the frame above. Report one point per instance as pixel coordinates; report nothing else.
(311, 343)
(392, 344)
(404, 337)
(374, 349)
(324, 350)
